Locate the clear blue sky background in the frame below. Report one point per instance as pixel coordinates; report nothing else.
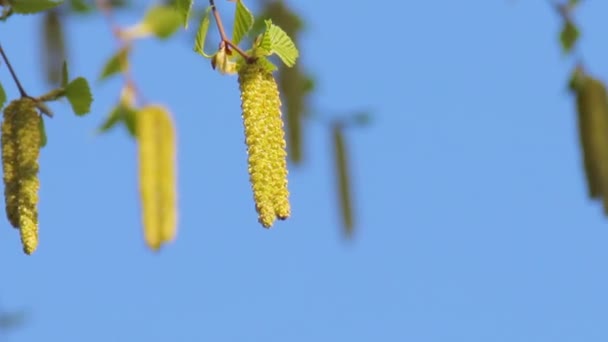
(474, 221)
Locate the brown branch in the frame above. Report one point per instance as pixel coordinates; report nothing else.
(10, 69)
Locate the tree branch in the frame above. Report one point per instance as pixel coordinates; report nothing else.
(10, 68)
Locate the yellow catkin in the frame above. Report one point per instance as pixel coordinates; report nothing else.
(21, 138)
(265, 139)
(157, 175)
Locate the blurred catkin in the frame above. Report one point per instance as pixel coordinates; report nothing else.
(21, 137)
(265, 139)
(592, 105)
(343, 178)
(157, 176)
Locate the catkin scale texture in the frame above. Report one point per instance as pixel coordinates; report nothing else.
(265, 139)
(21, 139)
(157, 176)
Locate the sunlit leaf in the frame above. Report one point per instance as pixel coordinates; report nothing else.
(243, 22)
(276, 41)
(201, 34)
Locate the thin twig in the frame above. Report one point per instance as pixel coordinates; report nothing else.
(10, 68)
(225, 40)
(105, 7)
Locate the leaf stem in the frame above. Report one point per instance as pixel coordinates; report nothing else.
(10, 69)
(225, 40)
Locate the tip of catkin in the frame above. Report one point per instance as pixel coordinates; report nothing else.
(29, 235)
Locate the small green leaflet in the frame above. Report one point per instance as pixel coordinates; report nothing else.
(243, 22)
(79, 95)
(276, 41)
(32, 6)
(184, 7)
(162, 21)
(201, 35)
(43, 138)
(2, 96)
(569, 36)
(116, 64)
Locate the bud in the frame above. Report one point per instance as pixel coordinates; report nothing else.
(21, 137)
(265, 139)
(157, 176)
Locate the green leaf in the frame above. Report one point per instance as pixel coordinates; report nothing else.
(569, 36)
(79, 95)
(2, 96)
(32, 6)
(116, 64)
(120, 114)
(276, 41)
(243, 22)
(43, 139)
(64, 75)
(162, 21)
(201, 35)
(184, 7)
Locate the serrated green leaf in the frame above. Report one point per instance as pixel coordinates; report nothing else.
(118, 63)
(43, 139)
(276, 41)
(162, 21)
(201, 34)
(243, 22)
(2, 96)
(64, 75)
(569, 36)
(32, 6)
(79, 95)
(184, 7)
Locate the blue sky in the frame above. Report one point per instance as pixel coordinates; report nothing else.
(474, 221)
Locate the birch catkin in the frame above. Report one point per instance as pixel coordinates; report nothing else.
(592, 103)
(157, 176)
(265, 139)
(21, 138)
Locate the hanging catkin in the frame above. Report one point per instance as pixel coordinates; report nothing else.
(21, 138)
(265, 139)
(592, 105)
(157, 176)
